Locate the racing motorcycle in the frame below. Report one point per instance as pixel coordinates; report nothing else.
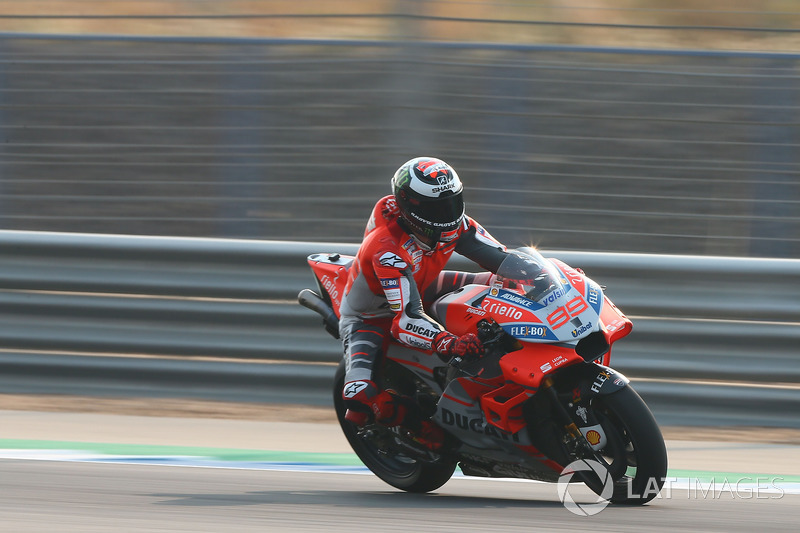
(541, 398)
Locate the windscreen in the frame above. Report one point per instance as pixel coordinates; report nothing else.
(526, 271)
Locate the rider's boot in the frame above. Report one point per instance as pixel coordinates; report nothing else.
(391, 409)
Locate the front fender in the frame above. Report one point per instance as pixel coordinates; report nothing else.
(575, 386)
(607, 380)
(590, 379)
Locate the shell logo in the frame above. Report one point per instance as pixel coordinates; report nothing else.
(593, 437)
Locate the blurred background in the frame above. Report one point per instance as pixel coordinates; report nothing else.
(653, 126)
(262, 127)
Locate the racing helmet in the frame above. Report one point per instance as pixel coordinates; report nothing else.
(429, 196)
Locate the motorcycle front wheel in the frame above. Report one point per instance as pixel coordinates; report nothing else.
(634, 455)
(396, 469)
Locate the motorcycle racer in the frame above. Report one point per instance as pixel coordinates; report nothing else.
(398, 269)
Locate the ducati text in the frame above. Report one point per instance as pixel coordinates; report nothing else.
(476, 425)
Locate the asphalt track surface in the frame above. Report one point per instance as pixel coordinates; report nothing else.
(106, 496)
(88, 497)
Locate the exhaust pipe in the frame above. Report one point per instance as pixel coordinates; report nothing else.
(312, 300)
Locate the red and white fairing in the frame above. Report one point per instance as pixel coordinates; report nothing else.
(535, 300)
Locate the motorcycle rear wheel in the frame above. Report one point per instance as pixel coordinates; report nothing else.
(396, 469)
(635, 454)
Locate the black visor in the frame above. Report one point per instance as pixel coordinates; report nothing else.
(439, 214)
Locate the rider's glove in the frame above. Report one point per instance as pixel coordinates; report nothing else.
(456, 348)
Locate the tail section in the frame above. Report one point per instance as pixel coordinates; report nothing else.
(330, 272)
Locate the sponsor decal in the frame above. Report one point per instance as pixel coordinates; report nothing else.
(483, 236)
(393, 295)
(555, 363)
(330, 286)
(352, 389)
(448, 236)
(593, 437)
(444, 188)
(500, 309)
(392, 260)
(426, 223)
(576, 395)
(388, 283)
(593, 296)
(552, 297)
(529, 331)
(574, 276)
(476, 311)
(443, 224)
(525, 331)
(395, 298)
(494, 291)
(414, 342)
(476, 425)
(420, 330)
(601, 378)
(581, 330)
(402, 178)
(390, 209)
(517, 299)
(582, 412)
(444, 344)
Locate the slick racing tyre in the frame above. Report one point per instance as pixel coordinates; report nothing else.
(394, 467)
(635, 454)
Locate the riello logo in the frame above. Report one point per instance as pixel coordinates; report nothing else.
(499, 309)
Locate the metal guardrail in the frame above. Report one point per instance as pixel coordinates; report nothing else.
(695, 318)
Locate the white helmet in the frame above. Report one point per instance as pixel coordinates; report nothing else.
(429, 195)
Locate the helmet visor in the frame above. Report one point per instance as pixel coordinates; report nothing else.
(438, 214)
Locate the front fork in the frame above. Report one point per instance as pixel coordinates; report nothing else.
(583, 383)
(575, 441)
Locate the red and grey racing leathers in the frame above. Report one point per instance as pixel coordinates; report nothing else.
(384, 287)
